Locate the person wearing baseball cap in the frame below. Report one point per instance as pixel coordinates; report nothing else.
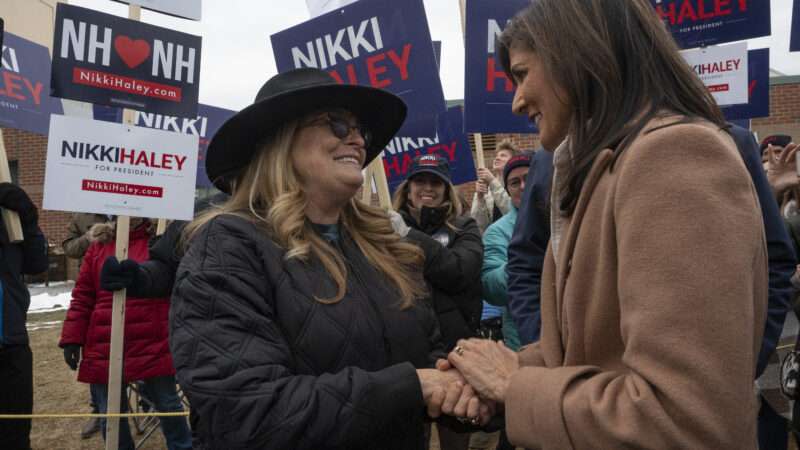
(430, 213)
(297, 318)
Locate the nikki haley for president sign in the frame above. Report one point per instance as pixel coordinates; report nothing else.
(108, 60)
(108, 168)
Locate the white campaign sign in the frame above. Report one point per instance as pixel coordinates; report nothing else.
(188, 9)
(723, 70)
(109, 168)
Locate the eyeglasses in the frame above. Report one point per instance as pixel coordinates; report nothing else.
(341, 127)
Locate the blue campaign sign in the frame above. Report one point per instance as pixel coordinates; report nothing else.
(25, 101)
(380, 43)
(488, 92)
(794, 44)
(697, 23)
(109, 60)
(205, 125)
(449, 142)
(757, 87)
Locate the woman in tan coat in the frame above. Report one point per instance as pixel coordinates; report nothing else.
(655, 283)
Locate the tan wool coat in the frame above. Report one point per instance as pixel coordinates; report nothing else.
(653, 313)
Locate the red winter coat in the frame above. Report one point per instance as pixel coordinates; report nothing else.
(88, 321)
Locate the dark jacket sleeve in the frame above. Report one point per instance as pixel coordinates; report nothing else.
(782, 259)
(34, 252)
(238, 369)
(527, 249)
(454, 268)
(156, 276)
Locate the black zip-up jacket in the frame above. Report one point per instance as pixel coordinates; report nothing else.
(266, 365)
(453, 261)
(27, 257)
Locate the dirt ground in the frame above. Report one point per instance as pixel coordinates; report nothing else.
(56, 390)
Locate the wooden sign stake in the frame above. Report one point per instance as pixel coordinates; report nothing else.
(10, 218)
(116, 356)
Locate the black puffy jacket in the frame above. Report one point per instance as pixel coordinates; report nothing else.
(453, 261)
(27, 257)
(265, 365)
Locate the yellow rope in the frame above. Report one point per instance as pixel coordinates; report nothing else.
(89, 415)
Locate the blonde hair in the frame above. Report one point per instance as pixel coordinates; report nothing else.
(507, 146)
(454, 202)
(269, 193)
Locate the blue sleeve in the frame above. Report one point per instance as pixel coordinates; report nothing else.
(493, 274)
(527, 249)
(782, 260)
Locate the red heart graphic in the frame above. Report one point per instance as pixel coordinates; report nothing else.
(132, 52)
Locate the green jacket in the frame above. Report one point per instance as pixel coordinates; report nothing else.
(493, 273)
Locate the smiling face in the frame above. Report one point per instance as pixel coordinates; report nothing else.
(329, 166)
(500, 160)
(426, 189)
(537, 97)
(516, 184)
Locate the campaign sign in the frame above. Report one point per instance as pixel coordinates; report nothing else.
(379, 43)
(696, 23)
(449, 142)
(187, 9)
(488, 92)
(757, 89)
(109, 168)
(794, 44)
(723, 70)
(204, 126)
(108, 60)
(25, 101)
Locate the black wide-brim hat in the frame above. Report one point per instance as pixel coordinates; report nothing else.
(289, 96)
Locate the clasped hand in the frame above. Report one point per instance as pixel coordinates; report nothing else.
(472, 382)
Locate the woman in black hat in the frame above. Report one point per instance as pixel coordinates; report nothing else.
(295, 320)
(430, 214)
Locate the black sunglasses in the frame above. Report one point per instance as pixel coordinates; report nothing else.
(340, 127)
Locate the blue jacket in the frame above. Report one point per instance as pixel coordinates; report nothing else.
(532, 232)
(782, 260)
(493, 273)
(527, 248)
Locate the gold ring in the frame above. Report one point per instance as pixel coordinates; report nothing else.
(459, 350)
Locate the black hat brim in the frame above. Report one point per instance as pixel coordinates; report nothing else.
(441, 176)
(234, 144)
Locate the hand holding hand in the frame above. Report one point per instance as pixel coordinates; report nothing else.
(72, 355)
(781, 168)
(102, 232)
(486, 365)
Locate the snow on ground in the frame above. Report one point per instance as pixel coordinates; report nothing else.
(46, 302)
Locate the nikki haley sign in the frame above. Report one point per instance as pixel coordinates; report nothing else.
(379, 43)
(108, 168)
(108, 60)
(696, 23)
(488, 92)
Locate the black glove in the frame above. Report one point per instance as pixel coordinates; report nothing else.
(14, 198)
(117, 275)
(72, 355)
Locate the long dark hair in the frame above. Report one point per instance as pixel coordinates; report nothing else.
(620, 68)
